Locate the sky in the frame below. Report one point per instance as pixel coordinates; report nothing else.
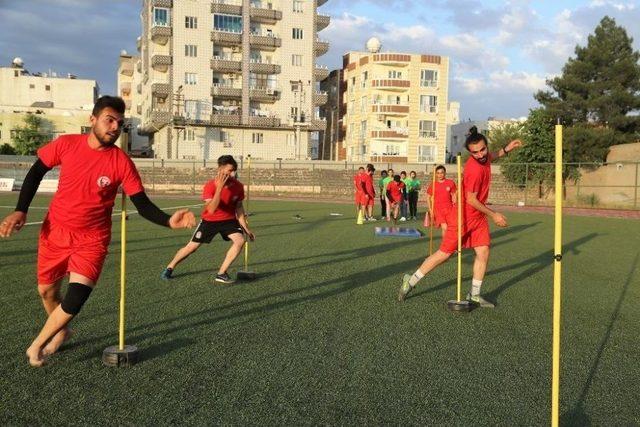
(501, 52)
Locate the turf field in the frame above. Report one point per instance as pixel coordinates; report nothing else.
(319, 337)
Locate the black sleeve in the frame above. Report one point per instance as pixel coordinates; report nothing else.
(30, 185)
(148, 210)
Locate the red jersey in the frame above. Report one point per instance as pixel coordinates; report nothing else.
(394, 191)
(358, 182)
(88, 183)
(232, 193)
(477, 178)
(444, 190)
(367, 183)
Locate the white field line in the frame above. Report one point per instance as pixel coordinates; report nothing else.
(118, 212)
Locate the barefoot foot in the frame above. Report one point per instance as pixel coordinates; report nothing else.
(35, 357)
(57, 341)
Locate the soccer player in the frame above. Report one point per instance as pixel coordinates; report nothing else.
(369, 193)
(475, 231)
(386, 182)
(223, 213)
(383, 194)
(76, 231)
(404, 205)
(445, 197)
(357, 186)
(413, 189)
(395, 196)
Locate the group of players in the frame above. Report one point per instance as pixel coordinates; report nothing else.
(76, 230)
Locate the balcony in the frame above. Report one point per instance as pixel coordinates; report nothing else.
(263, 94)
(318, 125)
(161, 62)
(225, 65)
(226, 38)
(126, 68)
(265, 41)
(321, 2)
(320, 98)
(264, 122)
(225, 118)
(263, 13)
(322, 22)
(125, 89)
(226, 90)
(391, 133)
(320, 47)
(160, 34)
(396, 59)
(230, 7)
(259, 67)
(160, 90)
(320, 73)
(162, 3)
(390, 109)
(391, 84)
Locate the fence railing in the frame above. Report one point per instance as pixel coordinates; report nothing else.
(600, 185)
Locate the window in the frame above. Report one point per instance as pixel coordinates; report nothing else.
(297, 33)
(294, 112)
(363, 130)
(296, 60)
(298, 6)
(364, 76)
(291, 140)
(190, 50)
(427, 129)
(363, 104)
(191, 22)
(351, 107)
(428, 78)
(190, 78)
(85, 129)
(228, 23)
(47, 87)
(224, 138)
(257, 138)
(392, 150)
(190, 135)
(161, 17)
(428, 103)
(393, 74)
(32, 86)
(426, 153)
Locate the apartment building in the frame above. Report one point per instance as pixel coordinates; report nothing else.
(229, 77)
(64, 102)
(395, 106)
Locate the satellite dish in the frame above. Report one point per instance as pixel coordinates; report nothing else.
(123, 52)
(373, 45)
(17, 62)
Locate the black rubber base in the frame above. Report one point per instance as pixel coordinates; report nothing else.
(461, 306)
(246, 275)
(113, 356)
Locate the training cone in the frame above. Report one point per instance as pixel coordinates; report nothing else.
(360, 220)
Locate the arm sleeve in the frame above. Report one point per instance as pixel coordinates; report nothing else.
(30, 185)
(148, 210)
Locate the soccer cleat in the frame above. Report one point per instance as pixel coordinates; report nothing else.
(224, 278)
(167, 274)
(372, 219)
(480, 301)
(403, 219)
(405, 288)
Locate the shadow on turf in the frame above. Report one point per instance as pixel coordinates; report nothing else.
(577, 416)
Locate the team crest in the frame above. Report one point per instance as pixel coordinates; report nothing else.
(104, 182)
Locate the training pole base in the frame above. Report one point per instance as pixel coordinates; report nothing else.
(461, 306)
(113, 356)
(246, 275)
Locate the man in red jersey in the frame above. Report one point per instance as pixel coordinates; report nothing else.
(395, 196)
(223, 213)
(445, 196)
(368, 193)
(475, 227)
(358, 186)
(76, 231)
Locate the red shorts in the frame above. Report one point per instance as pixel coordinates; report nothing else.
(359, 197)
(365, 201)
(61, 251)
(440, 216)
(475, 232)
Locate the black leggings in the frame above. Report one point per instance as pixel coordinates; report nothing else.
(413, 203)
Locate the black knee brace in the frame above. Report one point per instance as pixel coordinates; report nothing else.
(77, 295)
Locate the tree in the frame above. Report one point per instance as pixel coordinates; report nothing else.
(7, 149)
(596, 93)
(28, 138)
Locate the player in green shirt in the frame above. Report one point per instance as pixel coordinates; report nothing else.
(382, 190)
(413, 191)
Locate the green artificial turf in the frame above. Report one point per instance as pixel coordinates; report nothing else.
(318, 338)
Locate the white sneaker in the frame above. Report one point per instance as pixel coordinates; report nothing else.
(403, 219)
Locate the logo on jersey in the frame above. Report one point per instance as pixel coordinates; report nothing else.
(449, 189)
(104, 182)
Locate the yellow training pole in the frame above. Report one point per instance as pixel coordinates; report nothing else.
(246, 245)
(123, 269)
(431, 212)
(459, 200)
(557, 283)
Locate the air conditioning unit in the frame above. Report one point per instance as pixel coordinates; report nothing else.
(270, 91)
(235, 49)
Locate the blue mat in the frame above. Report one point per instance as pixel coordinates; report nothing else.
(411, 233)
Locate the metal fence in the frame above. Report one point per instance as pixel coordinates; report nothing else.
(602, 185)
